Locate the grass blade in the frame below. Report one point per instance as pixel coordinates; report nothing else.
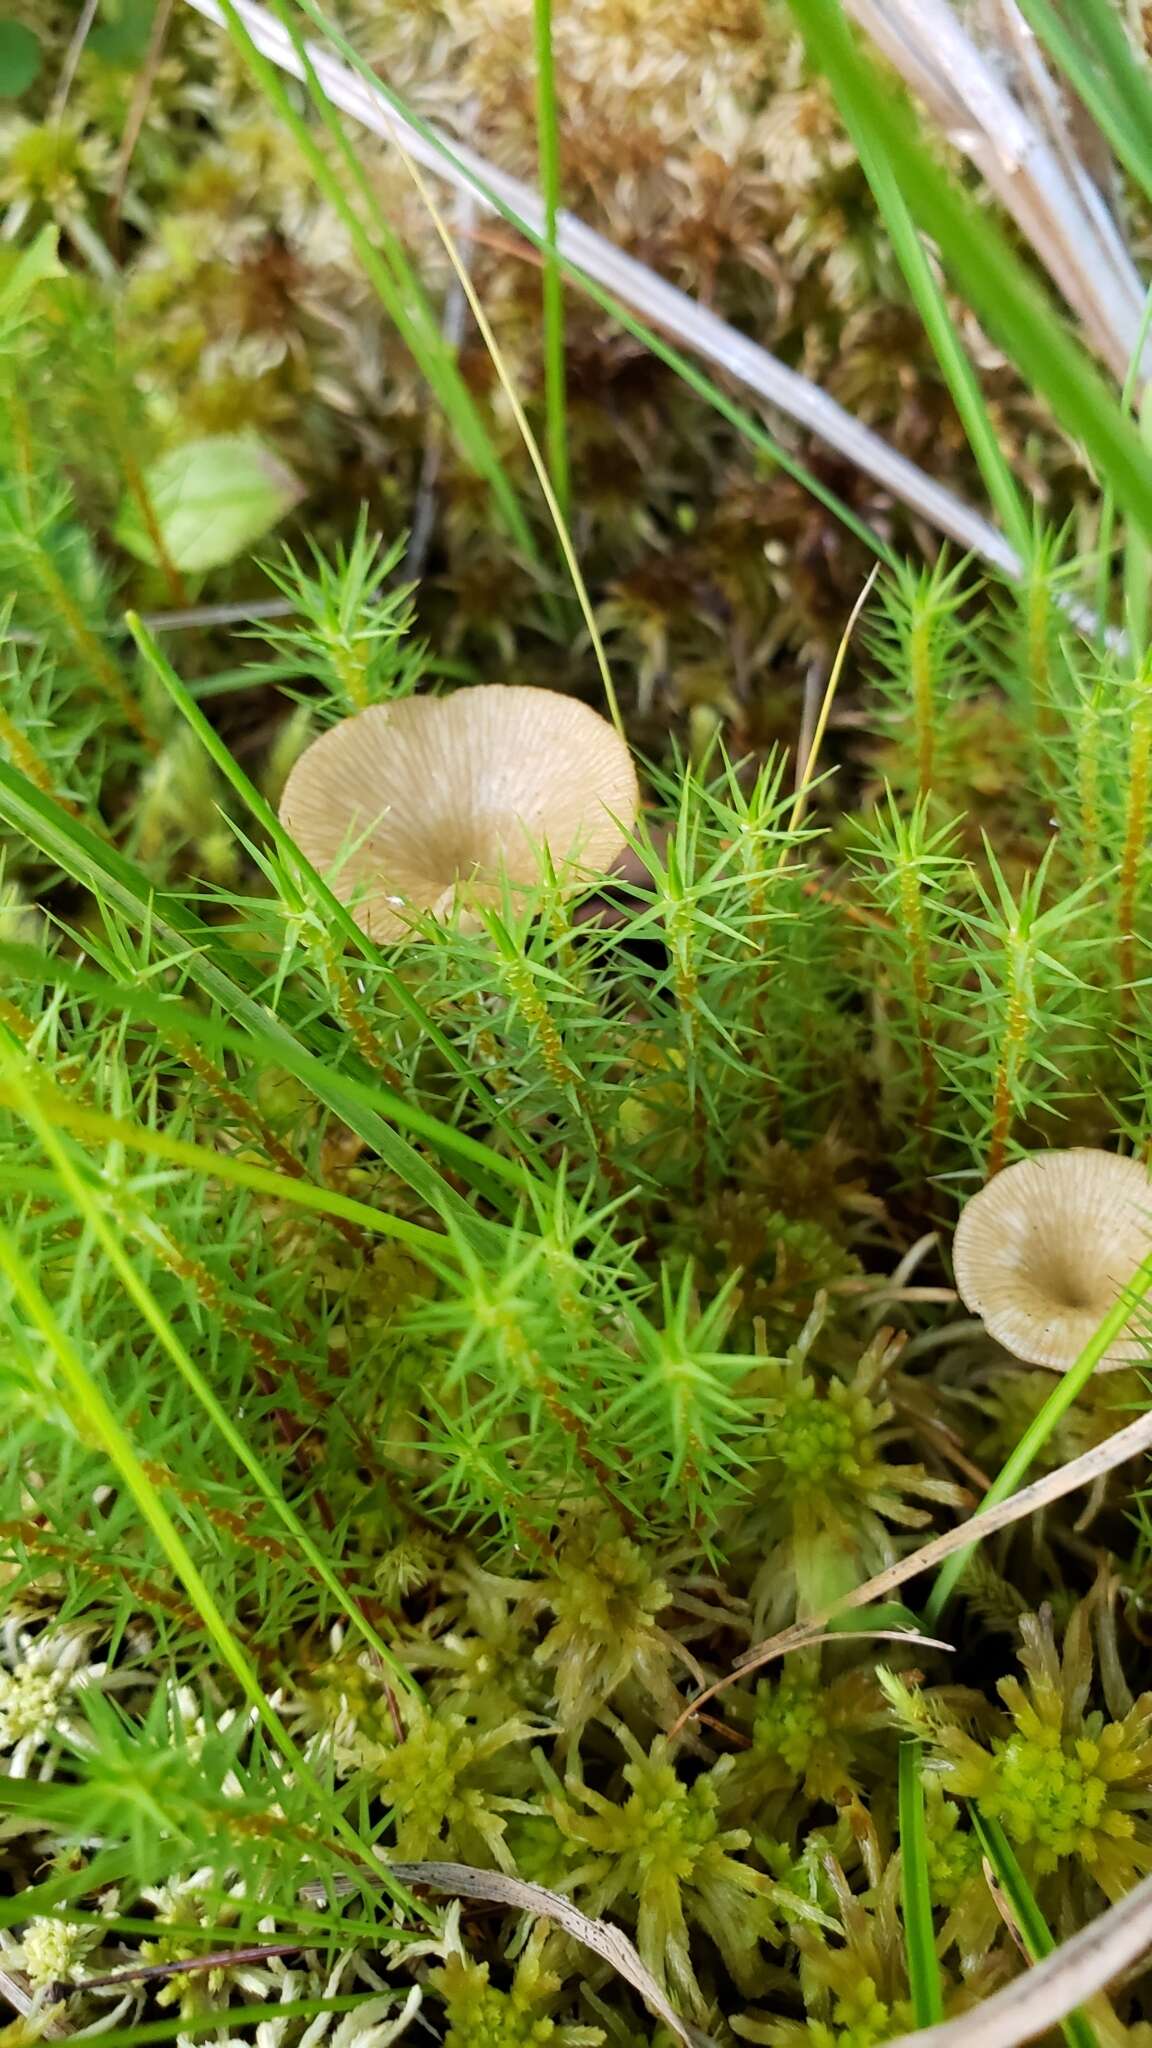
(176, 1019)
(97, 1418)
(919, 1934)
(982, 262)
(177, 2024)
(227, 978)
(1033, 1928)
(548, 144)
(1106, 78)
(1094, 51)
(959, 374)
(96, 1124)
(87, 1204)
(396, 285)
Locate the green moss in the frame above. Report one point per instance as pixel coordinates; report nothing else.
(481, 2016)
(1067, 1783)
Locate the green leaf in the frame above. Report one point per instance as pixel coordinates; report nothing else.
(121, 39)
(33, 266)
(20, 59)
(212, 499)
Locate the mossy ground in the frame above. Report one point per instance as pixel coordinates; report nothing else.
(686, 1362)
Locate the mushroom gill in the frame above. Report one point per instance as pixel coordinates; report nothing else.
(1047, 1248)
(434, 803)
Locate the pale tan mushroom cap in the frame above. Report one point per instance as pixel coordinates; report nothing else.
(1044, 1251)
(408, 807)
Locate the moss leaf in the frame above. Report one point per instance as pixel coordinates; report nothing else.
(209, 500)
(20, 59)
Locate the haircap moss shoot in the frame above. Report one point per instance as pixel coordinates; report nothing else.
(434, 805)
(1047, 1248)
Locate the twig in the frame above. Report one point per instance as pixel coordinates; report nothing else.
(1116, 1450)
(220, 1959)
(138, 108)
(72, 56)
(661, 304)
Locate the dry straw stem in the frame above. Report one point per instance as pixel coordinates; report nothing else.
(1126, 1443)
(1050, 1990)
(464, 1881)
(1026, 156)
(806, 770)
(634, 285)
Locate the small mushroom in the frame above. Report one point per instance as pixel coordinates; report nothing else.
(1045, 1250)
(429, 802)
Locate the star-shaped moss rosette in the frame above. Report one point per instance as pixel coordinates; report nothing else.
(437, 805)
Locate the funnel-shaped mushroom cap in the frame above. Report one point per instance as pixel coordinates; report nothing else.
(408, 806)
(1044, 1251)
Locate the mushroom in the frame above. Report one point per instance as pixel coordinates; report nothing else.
(1046, 1249)
(432, 802)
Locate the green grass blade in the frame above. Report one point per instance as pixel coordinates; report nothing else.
(1106, 77)
(221, 972)
(177, 1019)
(919, 1934)
(959, 374)
(337, 912)
(982, 262)
(1034, 1930)
(396, 285)
(745, 424)
(179, 2024)
(548, 145)
(96, 1417)
(98, 1125)
(1066, 1390)
(86, 1203)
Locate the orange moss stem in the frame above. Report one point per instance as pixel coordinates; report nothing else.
(1135, 838)
(912, 919)
(1012, 1042)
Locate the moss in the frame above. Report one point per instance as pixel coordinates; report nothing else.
(1066, 1782)
(480, 2015)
